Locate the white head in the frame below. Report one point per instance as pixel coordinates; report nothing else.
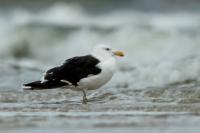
(105, 51)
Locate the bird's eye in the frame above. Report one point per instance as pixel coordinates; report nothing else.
(107, 49)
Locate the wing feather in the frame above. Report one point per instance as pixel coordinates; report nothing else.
(74, 69)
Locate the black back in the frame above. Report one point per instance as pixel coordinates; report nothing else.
(74, 69)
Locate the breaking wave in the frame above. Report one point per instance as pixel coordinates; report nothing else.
(161, 48)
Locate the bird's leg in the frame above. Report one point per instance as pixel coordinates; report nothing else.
(85, 100)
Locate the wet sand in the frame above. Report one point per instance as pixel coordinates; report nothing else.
(97, 121)
(33, 112)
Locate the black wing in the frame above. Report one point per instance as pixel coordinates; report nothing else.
(74, 69)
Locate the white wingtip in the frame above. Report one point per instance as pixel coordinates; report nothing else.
(65, 81)
(26, 87)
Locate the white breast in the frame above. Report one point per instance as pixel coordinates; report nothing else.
(92, 82)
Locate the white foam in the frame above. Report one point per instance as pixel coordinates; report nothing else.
(163, 48)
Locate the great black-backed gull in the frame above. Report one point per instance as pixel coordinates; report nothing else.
(81, 73)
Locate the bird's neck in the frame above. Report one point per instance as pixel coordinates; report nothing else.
(102, 57)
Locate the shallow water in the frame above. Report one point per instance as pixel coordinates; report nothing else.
(96, 120)
(156, 88)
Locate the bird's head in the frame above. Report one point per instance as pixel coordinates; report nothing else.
(107, 51)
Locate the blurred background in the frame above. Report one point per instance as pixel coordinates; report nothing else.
(160, 37)
(161, 40)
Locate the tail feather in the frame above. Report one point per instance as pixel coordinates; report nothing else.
(38, 85)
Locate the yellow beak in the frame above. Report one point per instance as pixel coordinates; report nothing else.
(119, 53)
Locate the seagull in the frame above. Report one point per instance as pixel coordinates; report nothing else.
(81, 73)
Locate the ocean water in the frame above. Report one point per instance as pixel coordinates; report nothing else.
(161, 48)
(160, 72)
